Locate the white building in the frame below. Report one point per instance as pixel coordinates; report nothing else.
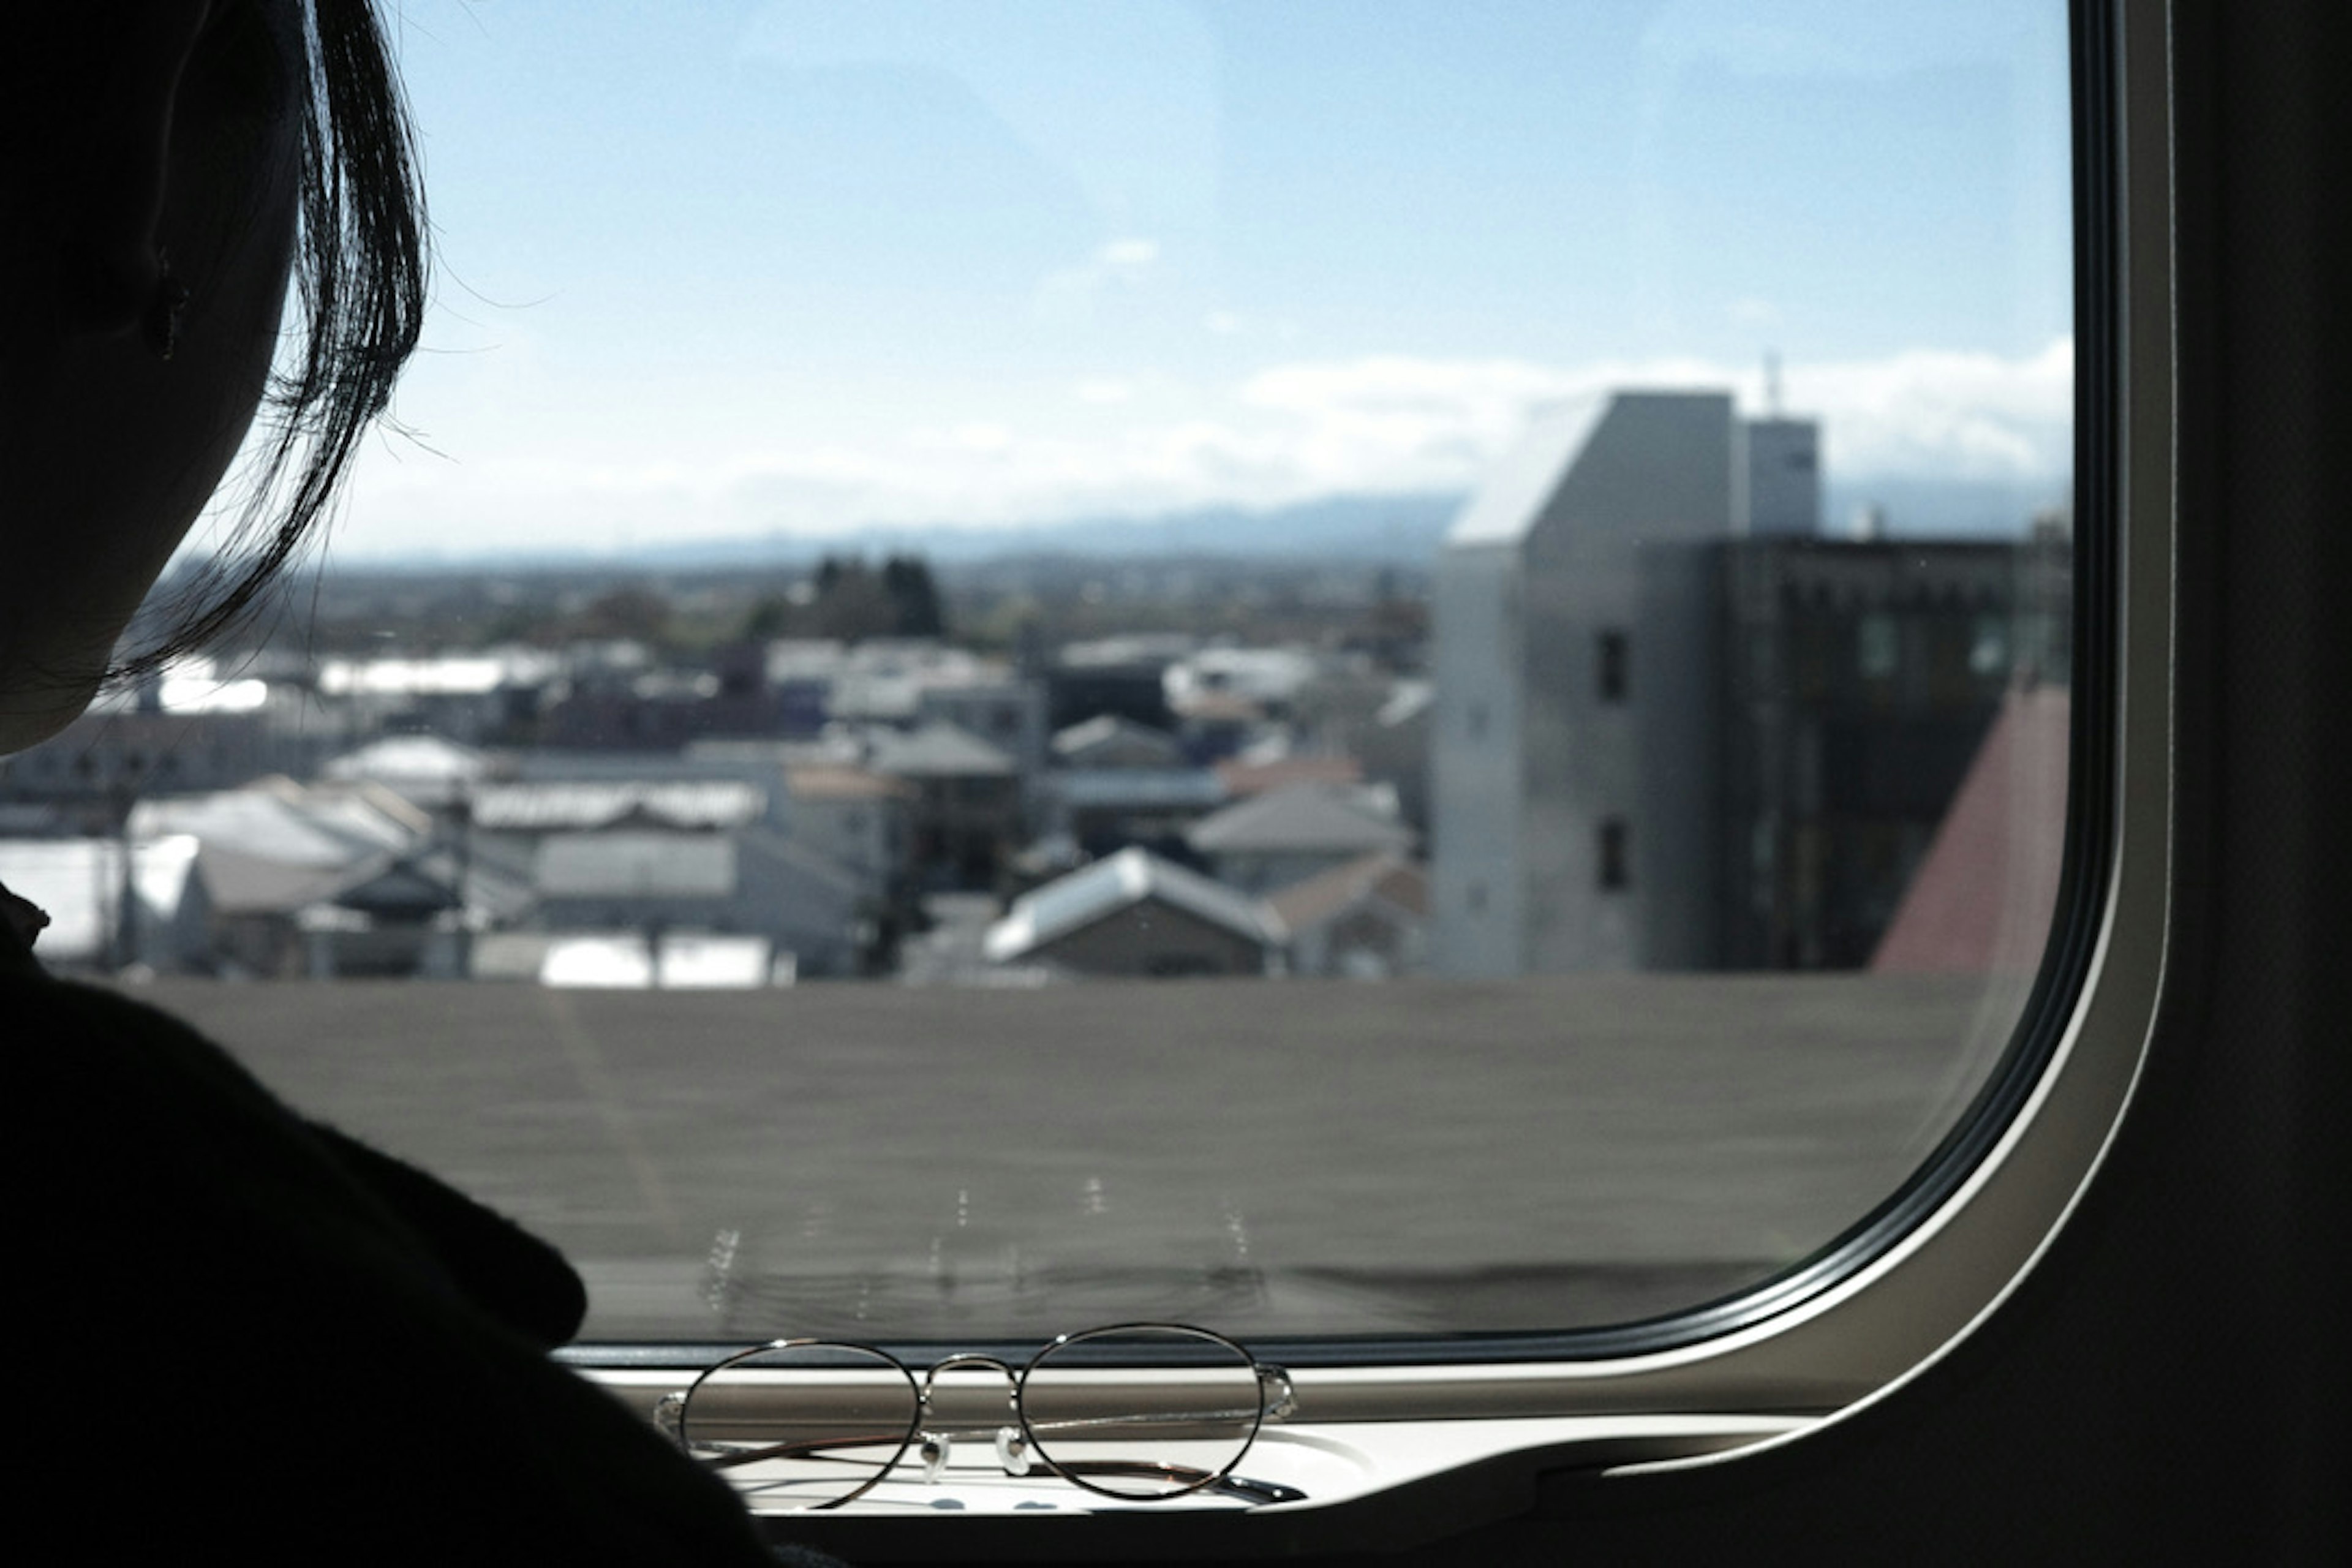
(1567, 835)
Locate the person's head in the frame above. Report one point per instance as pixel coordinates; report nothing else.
(165, 167)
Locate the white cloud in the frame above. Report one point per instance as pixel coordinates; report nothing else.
(1949, 414)
(1287, 432)
(1071, 293)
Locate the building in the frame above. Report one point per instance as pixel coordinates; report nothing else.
(1286, 835)
(1533, 747)
(1675, 729)
(968, 814)
(1368, 919)
(1982, 899)
(1109, 741)
(1136, 914)
(327, 879)
(106, 916)
(1853, 685)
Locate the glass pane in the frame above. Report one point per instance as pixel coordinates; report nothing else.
(1318, 668)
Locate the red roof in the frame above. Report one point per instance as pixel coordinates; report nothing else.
(1256, 778)
(1983, 895)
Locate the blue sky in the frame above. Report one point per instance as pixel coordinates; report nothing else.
(713, 269)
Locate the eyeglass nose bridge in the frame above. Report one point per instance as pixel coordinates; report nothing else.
(1012, 1435)
(1277, 1399)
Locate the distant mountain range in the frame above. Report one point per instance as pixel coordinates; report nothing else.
(1377, 530)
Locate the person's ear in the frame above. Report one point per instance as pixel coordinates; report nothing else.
(110, 265)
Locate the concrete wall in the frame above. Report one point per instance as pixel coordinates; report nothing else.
(1477, 914)
(1520, 624)
(1779, 478)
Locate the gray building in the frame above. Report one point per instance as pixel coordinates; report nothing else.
(1536, 763)
(1674, 728)
(1853, 686)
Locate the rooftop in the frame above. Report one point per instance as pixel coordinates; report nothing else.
(634, 865)
(1388, 877)
(937, 750)
(580, 806)
(1131, 877)
(1299, 816)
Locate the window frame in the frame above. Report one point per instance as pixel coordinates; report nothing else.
(1866, 1316)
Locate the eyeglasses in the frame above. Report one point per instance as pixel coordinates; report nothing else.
(1137, 1411)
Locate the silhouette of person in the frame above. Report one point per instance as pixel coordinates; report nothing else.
(257, 1338)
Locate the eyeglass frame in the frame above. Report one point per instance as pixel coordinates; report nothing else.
(669, 1415)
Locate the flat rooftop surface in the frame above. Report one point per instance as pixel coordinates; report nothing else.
(1260, 1157)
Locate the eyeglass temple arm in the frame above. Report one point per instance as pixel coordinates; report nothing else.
(726, 1458)
(1189, 1479)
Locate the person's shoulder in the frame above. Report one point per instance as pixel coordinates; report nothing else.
(78, 1050)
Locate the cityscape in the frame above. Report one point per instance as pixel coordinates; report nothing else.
(1637, 708)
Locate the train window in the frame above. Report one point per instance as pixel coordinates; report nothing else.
(1436, 685)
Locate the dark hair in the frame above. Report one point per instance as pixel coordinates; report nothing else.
(360, 264)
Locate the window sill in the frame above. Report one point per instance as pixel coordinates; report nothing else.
(1370, 1485)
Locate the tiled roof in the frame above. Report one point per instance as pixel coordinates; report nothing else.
(1388, 877)
(836, 782)
(1304, 816)
(290, 823)
(1113, 733)
(1256, 778)
(243, 883)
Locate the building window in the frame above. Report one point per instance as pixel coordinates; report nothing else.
(1877, 646)
(1613, 661)
(1988, 649)
(1616, 859)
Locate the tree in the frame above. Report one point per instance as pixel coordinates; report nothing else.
(914, 597)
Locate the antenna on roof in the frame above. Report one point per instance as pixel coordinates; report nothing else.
(1771, 384)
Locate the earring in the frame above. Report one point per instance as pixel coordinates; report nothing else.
(160, 323)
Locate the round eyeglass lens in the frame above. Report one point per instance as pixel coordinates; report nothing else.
(1142, 1412)
(802, 1426)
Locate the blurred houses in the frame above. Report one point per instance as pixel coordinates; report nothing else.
(429, 772)
(1136, 914)
(319, 880)
(1365, 920)
(109, 912)
(968, 812)
(674, 854)
(1113, 741)
(474, 698)
(1300, 830)
(190, 730)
